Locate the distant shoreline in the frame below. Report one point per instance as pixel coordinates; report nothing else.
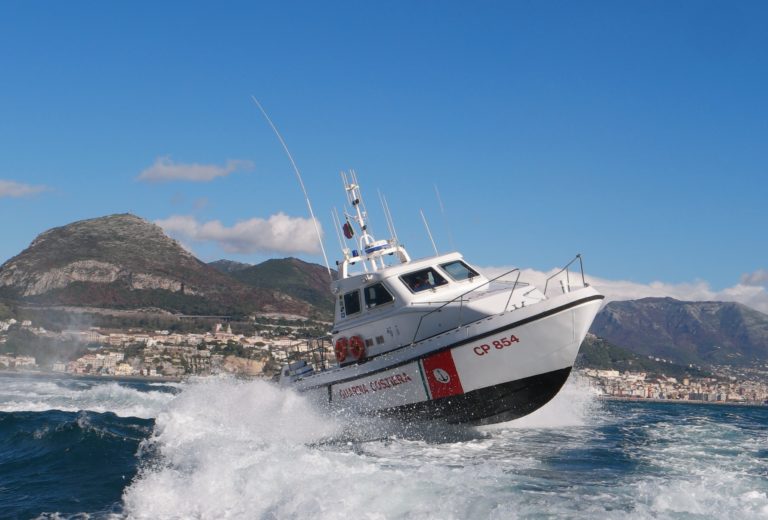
(167, 379)
(50, 374)
(679, 401)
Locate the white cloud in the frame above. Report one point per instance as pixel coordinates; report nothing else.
(17, 189)
(749, 294)
(759, 277)
(165, 169)
(279, 233)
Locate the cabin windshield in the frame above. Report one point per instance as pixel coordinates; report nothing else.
(376, 295)
(459, 271)
(423, 279)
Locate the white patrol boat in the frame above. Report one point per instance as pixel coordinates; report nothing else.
(436, 339)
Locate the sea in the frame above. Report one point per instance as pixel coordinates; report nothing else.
(229, 448)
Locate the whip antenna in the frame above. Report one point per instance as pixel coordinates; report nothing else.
(429, 232)
(301, 182)
(337, 225)
(387, 217)
(445, 220)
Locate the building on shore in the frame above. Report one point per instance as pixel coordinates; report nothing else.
(706, 389)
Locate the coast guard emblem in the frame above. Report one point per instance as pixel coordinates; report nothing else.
(441, 376)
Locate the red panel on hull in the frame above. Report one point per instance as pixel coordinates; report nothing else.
(442, 377)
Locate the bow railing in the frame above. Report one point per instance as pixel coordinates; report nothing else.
(461, 300)
(566, 286)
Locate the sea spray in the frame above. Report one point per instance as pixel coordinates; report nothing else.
(575, 405)
(229, 448)
(225, 448)
(233, 449)
(125, 399)
(220, 445)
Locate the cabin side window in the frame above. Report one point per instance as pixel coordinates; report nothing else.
(423, 279)
(351, 303)
(459, 271)
(376, 295)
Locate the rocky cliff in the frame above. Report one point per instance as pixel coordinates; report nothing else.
(117, 248)
(702, 333)
(123, 261)
(291, 276)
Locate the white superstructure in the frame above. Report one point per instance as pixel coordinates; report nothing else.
(435, 338)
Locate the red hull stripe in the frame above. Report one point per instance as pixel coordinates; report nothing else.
(442, 377)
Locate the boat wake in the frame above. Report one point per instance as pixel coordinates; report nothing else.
(248, 449)
(228, 448)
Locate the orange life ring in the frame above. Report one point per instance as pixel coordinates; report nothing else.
(356, 347)
(340, 349)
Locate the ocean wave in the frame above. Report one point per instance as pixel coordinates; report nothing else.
(34, 394)
(66, 461)
(233, 449)
(227, 448)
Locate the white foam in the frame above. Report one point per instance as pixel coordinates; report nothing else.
(228, 445)
(230, 449)
(576, 404)
(39, 395)
(704, 467)
(233, 449)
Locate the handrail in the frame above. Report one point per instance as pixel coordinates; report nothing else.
(321, 349)
(567, 274)
(461, 298)
(308, 355)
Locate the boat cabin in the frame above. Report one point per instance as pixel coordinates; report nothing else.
(384, 308)
(385, 300)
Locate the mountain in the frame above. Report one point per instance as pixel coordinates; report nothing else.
(701, 333)
(125, 262)
(229, 266)
(601, 354)
(291, 276)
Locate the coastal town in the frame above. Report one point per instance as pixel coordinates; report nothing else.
(163, 354)
(640, 385)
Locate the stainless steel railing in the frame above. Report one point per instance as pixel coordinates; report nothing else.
(566, 288)
(461, 300)
(318, 353)
(567, 285)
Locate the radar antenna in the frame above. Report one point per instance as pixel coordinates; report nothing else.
(370, 252)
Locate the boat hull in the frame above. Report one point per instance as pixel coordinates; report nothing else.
(497, 369)
(489, 405)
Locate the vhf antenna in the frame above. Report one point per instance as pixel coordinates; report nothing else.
(428, 231)
(301, 182)
(445, 220)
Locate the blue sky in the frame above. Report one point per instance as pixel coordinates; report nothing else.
(634, 133)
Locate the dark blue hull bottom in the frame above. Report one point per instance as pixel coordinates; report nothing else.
(493, 404)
